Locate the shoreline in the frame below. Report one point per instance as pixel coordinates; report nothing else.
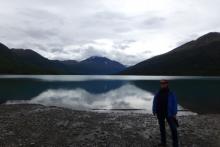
(38, 125)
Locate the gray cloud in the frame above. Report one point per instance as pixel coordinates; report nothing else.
(127, 31)
(154, 22)
(123, 44)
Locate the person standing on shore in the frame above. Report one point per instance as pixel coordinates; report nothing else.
(165, 107)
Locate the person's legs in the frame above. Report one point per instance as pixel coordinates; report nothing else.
(161, 121)
(173, 129)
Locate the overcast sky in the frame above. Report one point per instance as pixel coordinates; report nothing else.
(128, 31)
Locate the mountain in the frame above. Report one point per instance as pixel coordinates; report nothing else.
(20, 61)
(7, 59)
(31, 62)
(197, 57)
(27, 61)
(99, 65)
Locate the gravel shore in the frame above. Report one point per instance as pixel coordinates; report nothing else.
(29, 125)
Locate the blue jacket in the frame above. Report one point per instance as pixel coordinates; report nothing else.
(172, 104)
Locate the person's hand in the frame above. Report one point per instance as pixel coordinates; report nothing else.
(175, 120)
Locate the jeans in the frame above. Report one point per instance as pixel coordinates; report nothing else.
(173, 128)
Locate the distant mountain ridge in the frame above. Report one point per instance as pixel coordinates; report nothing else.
(27, 61)
(197, 57)
(101, 65)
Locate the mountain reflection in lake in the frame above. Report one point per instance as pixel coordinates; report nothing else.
(198, 94)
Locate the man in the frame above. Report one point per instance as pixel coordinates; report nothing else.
(165, 107)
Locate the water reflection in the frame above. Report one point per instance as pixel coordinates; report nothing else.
(25, 89)
(125, 97)
(198, 95)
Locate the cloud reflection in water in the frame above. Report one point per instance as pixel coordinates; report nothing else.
(126, 97)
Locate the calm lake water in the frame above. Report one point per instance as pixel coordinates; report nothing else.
(196, 94)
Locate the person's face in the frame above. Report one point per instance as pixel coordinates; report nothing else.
(163, 85)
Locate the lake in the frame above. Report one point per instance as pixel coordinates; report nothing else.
(194, 93)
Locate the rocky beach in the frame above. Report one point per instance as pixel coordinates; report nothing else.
(29, 125)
